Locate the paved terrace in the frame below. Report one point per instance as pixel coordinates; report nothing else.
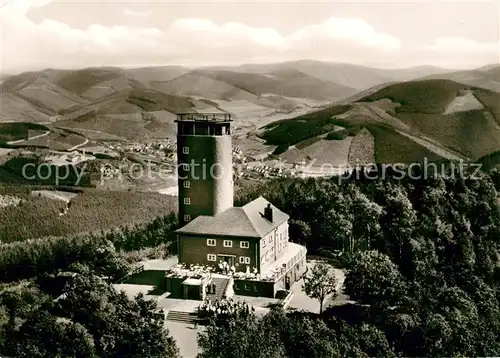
(185, 334)
(293, 253)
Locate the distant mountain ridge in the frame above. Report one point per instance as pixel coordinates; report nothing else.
(148, 97)
(487, 77)
(344, 74)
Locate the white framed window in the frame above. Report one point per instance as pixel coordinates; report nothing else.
(223, 130)
(245, 260)
(187, 184)
(210, 242)
(211, 257)
(187, 217)
(244, 244)
(228, 243)
(187, 201)
(270, 239)
(185, 150)
(185, 166)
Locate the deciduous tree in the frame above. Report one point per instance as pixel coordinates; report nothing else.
(321, 282)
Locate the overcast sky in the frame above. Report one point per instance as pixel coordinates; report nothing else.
(43, 33)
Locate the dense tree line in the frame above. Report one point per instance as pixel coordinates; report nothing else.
(102, 252)
(159, 231)
(90, 320)
(292, 335)
(424, 269)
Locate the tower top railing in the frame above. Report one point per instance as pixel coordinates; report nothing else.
(204, 117)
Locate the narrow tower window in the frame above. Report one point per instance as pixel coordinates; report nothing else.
(187, 218)
(187, 184)
(187, 201)
(185, 150)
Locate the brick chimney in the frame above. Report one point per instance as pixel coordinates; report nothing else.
(268, 213)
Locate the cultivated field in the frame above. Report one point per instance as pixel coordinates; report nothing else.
(323, 152)
(463, 103)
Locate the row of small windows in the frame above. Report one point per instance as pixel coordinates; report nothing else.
(270, 239)
(228, 243)
(242, 259)
(247, 287)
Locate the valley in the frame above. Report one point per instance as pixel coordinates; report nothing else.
(113, 129)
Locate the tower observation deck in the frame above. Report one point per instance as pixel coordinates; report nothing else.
(205, 167)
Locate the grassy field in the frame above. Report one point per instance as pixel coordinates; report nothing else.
(323, 152)
(92, 210)
(17, 131)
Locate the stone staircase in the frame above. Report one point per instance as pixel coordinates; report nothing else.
(220, 288)
(179, 316)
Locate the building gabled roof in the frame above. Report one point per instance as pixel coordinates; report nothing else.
(246, 221)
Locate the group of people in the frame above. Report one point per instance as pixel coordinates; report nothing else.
(224, 308)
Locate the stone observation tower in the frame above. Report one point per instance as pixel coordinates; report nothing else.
(205, 167)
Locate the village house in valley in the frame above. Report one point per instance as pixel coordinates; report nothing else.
(225, 250)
